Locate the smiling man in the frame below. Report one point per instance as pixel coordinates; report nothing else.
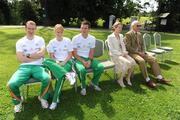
(30, 52)
(84, 45)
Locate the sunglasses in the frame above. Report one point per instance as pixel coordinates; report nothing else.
(138, 25)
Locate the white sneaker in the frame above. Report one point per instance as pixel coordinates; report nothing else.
(18, 107)
(53, 106)
(44, 103)
(71, 77)
(83, 92)
(96, 87)
(121, 83)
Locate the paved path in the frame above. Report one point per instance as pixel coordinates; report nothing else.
(68, 28)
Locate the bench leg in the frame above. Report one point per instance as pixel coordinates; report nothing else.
(22, 92)
(27, 91)
(75, 86)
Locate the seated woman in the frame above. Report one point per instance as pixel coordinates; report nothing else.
(60, 64)
(117, 50)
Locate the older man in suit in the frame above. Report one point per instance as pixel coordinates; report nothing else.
(135, 47)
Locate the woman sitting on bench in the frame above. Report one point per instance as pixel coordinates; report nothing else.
(60, 64)
(123, 62)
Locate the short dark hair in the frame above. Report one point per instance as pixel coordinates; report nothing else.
(85, 22)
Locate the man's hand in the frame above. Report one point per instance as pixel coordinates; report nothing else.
(124, 54)
(86, 63)
(62, 63)
(39, 54)
(142, 54)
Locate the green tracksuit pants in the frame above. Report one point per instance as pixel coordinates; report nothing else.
(22, 75)
(58, 72)
(97, 67)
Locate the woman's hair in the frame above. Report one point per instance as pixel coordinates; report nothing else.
(58, 26)
(115, 25)
(30, 22)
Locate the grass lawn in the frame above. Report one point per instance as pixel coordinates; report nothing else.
(116, 103)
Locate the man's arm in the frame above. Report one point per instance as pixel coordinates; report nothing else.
(39, 54)
(77, 56)
(67, 58)
(22, 58)
(31, 57)
(51, 55)
(91, 54)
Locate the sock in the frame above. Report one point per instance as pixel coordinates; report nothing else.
(147, 79)
(159, 77)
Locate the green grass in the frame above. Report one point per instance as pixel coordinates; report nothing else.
(116, 103)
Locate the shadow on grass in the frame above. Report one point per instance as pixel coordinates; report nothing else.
(161, 86)
(137, 81)
(67, 108)
(72, 105)
(140, 87)
(171, 62)
(164, 66)
(166, 63)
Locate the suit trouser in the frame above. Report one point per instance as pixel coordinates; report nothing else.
(22, 75)
(58, 72)
(97, 67)
(142, 64)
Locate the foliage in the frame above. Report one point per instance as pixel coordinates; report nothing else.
(50, 12)
(30, 10)
(173, 20)
(119, 8)
(72, 12)
(5, 14)
(15, 15)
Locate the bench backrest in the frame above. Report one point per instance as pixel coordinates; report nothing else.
(99, 48)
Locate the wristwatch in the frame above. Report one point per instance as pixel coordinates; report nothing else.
(28, 55)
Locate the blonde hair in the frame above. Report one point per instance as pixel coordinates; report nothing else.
(115, 25)
(30, 22)
(58, 26)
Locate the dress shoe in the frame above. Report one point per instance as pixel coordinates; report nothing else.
(151, 84)
(164, 81)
